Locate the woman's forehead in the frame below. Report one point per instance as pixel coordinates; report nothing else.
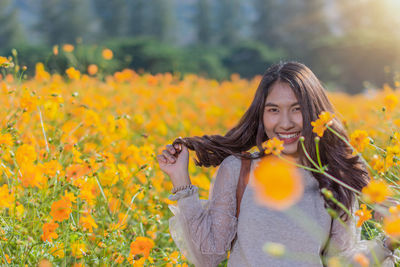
(281, 93)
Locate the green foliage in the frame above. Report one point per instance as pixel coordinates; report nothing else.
(251, 58)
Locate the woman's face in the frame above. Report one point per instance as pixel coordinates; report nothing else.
(282, 117)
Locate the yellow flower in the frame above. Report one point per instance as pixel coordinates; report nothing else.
(274, 146)
(324, 119)
(364, 215)
(277, 184)
(107, 54)
(6, 198)
(58, 250)
(78, 249)
(390, 102)
(5, 63)
(6, 140)
(359, 140)
(376, 191)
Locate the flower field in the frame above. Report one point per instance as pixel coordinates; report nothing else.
(79, 182)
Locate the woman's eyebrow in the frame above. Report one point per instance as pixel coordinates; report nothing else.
(275, 105)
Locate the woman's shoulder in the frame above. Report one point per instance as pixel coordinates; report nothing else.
(234, 160)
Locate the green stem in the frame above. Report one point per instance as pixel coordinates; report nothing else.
(317, 149)
(307, 155)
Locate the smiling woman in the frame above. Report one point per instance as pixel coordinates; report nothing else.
(282, 117)
(288, 98)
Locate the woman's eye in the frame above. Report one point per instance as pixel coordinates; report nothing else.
(273, 110)
(297, 109)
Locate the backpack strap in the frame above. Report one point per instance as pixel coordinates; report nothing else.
(241, 186)
(242, 183)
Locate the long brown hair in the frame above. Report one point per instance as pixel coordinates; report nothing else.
(211, 150)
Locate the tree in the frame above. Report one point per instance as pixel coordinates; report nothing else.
(63, 21)
(203, 22)
(112, 14)
(10, 30)
(228, 21)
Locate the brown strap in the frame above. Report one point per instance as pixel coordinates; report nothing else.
(242, 183)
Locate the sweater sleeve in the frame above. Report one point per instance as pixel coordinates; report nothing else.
(345, 243)
(204, 230)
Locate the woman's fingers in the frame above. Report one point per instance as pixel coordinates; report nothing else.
(171, 149)
(170, 158)
(162, 159)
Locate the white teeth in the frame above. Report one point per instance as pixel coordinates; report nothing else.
(287, 136)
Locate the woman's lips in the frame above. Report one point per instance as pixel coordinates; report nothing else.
(288, 140)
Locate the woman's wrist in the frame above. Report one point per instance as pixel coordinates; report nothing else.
(181, 180)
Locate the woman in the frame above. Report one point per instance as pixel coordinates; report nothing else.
(288, 98)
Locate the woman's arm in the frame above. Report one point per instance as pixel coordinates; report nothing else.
(204, 232)
(345, 243)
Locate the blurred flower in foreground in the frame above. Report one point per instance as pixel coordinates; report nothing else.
(359, 140)
(278, 184)
(391, 225)
(274, 146)
(361, 259)
(324, 119)
(364, 214)
(376, 191)
(274, 249)
(107, 54)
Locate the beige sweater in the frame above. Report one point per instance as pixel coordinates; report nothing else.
(204, 230)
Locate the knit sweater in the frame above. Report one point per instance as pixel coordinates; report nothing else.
(204, 229)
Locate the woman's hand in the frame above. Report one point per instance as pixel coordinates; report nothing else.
(174, 161)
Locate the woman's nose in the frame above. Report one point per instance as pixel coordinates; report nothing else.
(286, 121)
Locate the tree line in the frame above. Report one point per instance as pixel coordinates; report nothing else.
(345, 42)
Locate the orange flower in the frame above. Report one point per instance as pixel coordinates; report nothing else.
(359, 140)
(49, 231)
(361, 259)
(73, 74)
(364, 215)
(68, 48)
(44, 263)
(142, 245)
(274, 146)
(277, 184)
(60, 210)
(55, 50)
(76, 171)
(92, 69)
(376, 191)
(324, 119)
(107, 54)
(391, 225)
(87, 222)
